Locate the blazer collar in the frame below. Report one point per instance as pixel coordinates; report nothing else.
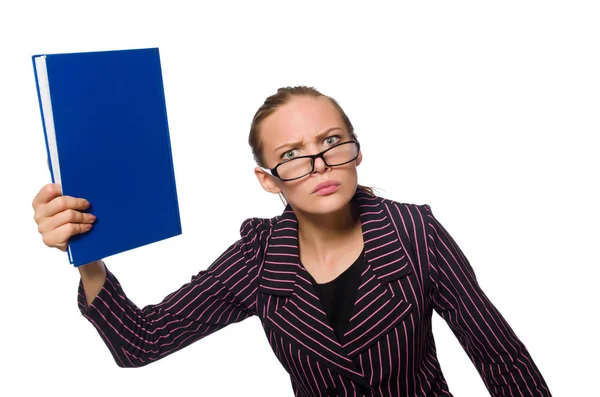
(302, 320)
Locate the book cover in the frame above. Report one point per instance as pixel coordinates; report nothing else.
(107, 139)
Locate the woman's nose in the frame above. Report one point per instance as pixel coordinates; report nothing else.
(320, 165)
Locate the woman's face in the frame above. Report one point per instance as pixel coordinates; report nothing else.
(303, 126)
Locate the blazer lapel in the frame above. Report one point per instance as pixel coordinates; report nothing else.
(376, 309)
(301, 319)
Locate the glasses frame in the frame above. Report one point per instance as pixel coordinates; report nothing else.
(313, 157)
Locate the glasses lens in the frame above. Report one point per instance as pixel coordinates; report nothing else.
(340, 154)
(294, 168)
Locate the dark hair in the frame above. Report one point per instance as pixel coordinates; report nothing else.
(283, 95)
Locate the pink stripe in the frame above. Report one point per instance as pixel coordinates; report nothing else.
(371, 230)
(365, 295)
(372, 213)
(368, 205)
(282, 254)
(282, 263)
(373, 220)
(368, 281)
(278, 271)
(387, 253)
(314, 340)
(369, 330)
(381, 246)
(275, 289)
(314, 318)
(106, 339)
(305, 375)
(278, 281)
(280, 237)
(395, 271)
(367, 306)
(367, 319)
(206, 279)
(378, 237)
(403, 257)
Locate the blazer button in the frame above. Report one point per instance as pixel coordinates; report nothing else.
(332, 392)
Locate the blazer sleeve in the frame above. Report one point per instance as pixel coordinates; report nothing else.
(223, 294)
(501, 359)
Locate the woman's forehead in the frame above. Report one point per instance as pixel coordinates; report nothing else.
(303, 119)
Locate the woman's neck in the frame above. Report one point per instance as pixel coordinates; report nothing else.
(322, 236)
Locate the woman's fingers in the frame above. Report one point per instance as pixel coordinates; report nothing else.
(49, 202)
(45, 195)
(59, 237)
(68, 216)
(60, 217)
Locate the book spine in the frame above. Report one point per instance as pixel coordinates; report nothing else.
(42, 85)
(164, 106)
(39, 96)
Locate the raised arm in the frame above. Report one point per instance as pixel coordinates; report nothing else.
(501, 359)
(222, 294)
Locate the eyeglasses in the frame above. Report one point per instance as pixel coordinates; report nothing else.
(301, 166)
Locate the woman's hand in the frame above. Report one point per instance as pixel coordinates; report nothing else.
(58, 217)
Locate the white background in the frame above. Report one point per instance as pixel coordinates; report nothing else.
(487, 112)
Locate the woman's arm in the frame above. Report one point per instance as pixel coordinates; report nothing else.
(501, 359)
(222, 294)
(93, 277)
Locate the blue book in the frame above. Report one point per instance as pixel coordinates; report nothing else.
(107, 140)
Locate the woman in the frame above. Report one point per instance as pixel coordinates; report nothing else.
(343, 281)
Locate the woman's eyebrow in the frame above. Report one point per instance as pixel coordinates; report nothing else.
(299, 144)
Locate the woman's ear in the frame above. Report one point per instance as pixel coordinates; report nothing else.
(266, 181)
(359, 158)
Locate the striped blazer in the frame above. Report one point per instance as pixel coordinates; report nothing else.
(413, 266)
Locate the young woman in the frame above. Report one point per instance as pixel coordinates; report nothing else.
(343, 281)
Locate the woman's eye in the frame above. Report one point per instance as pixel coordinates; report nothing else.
(285, 155)
(333, 136)
(289, 154)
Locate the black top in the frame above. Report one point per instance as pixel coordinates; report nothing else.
(338, 295)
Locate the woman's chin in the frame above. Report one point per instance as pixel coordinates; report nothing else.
(329, 203)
